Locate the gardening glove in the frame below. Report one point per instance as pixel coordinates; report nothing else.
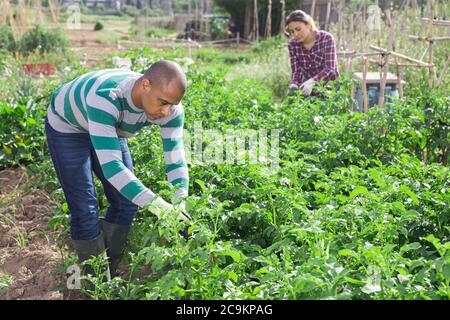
(307, 86)
(184, 216)
(292, 89)
(159, 207)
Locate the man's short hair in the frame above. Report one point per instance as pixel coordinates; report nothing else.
(163, 72)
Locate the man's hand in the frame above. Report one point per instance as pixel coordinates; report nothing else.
(307, 86)
(184, 216)
(159, 207)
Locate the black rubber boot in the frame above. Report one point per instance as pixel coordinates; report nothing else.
(87, 249)
(115, 239)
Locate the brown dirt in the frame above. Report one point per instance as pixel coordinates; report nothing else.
(30, 264)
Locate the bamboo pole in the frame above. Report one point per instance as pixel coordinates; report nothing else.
(313, 8)
(52, 7)
(399, 75)
(248, 18)
(381, 64)
(21, 17)
(430, 47)
(364, 85)
(38, 10)
(384, 70)
(268, 31)
(3, 12)
(444, 70)
(283, 16)
(208, 10)
(362, 26)
(444, 9)
(402, 64)
(432, 39)
(401, 56)
(189, 11)
(341, 23)
(255, 20)
(350, 45)
(327, 18)
(202, 8)
(354, 54)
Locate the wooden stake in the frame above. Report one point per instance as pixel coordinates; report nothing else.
(391, 23)
(405, 65)
(283, 16)
(268, 31)
(52, 7)
(248, 18)
(444, 70)
(399, 78)
(401, 56)
(327, 19)
(313, 8)
(341, 24)
(202, 8)
(3, 15)
(432, 39)
(430, 48)
(364, 85)
(255, 21)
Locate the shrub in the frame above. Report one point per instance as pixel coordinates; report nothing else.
(130, 11)
(98, 26)
(7, 40)
(44, 41)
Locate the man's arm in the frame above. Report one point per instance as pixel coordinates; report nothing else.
(174, 155)
(103, 117)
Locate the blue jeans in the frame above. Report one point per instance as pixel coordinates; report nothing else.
(74, 159)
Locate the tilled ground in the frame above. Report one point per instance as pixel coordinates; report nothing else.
(29, 256)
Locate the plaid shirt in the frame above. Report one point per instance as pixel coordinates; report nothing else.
(319, 63)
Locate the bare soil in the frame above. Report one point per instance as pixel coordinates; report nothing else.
(29, 256)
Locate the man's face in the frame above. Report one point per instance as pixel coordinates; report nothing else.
(299, 30)
(157, 102)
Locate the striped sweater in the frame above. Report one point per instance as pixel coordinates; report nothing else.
(99, 103)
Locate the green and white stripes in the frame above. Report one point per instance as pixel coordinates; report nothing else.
(99, 103)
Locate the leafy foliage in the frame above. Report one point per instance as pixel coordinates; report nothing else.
(357, 210)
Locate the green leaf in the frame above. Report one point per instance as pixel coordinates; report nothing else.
(375, 175)
(360, 190)
(437, 244)
(348, 253)
(233, 276)
(410, 215)
(371, 288)
(202, 185)
(410, 246)
(236, 255)
(446, 271)
(354, 281)
(7, 150)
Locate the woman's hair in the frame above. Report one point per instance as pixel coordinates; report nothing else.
(299, 16)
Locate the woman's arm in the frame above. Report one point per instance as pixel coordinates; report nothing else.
(297, 77)
(330, 69)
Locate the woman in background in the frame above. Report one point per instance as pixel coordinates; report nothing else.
(312, 53)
